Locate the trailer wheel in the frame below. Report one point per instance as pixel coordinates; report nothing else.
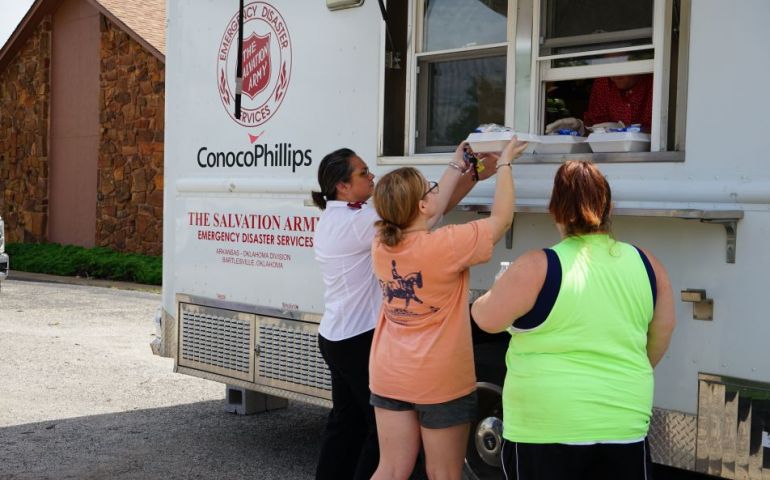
(482, 457)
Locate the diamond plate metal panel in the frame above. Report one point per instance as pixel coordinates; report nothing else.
(672, 438)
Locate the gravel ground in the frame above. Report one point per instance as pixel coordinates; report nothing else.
(82, 396)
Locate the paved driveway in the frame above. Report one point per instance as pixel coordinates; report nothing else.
(82, 396)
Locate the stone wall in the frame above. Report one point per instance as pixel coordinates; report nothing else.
(129, 203)
(129, 215)
(24, 133)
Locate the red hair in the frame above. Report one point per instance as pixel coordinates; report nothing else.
(581, 198)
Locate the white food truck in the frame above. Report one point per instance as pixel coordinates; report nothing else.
(402, 84)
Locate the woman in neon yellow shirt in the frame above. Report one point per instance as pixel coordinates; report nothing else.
(590, 318)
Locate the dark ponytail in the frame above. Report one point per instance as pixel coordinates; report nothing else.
(334, 168)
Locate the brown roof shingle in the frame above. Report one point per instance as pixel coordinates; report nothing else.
(146, 18)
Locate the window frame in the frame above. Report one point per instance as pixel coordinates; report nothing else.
(526, 73)
(421, 104)
(658, 66)
(415, 125)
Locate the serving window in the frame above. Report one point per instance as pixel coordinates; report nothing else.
(531, 63)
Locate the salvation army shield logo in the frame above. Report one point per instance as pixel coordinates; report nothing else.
(256, 64)
(266, 63)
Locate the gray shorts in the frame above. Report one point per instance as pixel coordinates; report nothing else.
(436, 415)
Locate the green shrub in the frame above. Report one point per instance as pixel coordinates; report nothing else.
(95, 262)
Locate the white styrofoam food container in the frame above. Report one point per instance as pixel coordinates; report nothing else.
(619, 142)
(555, 144)
(482, 142)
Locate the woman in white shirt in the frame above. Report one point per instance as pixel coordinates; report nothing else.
(343, 243)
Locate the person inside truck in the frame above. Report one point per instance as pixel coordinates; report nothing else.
(623, 98)
(352, 297)
(422, 374)
(589, 320)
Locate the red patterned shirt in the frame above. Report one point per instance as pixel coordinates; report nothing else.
(610, 104)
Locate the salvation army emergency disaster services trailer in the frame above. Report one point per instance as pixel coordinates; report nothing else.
(242, 294)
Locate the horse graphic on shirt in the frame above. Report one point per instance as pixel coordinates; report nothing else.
(402, 286)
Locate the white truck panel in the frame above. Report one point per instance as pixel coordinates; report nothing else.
(330, 101)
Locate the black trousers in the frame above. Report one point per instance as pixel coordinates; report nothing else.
(556, 461)
(349, 448)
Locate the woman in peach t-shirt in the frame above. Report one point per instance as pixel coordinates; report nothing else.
(421, 368)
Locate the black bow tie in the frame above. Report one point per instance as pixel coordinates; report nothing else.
(356, 205)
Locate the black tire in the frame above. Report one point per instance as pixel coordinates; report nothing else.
(482, 457)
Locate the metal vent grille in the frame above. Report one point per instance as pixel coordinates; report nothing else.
(216, 340)
(290, 354)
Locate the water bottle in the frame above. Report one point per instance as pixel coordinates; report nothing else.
(503, 267)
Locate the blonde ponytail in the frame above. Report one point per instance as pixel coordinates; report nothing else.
(390, 234)
(397, 201)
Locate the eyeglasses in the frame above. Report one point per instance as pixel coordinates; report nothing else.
(364, 172)
(431, 187)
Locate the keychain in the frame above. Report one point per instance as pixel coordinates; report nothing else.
(472, 160)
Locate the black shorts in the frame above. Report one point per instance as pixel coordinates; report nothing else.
(557, 461)
(436, 415)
